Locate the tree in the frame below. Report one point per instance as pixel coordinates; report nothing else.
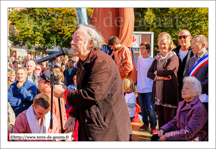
(171, 20)
(42, 27)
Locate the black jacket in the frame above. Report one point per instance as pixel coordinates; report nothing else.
(68, 79)
(182, 66)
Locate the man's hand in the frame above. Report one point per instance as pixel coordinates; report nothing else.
(58, 91)
(19, 84)
(70, 125)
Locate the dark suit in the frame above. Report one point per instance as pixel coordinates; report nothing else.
(201, 74)
(182, 67)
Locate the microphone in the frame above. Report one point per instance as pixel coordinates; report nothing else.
(54, 55)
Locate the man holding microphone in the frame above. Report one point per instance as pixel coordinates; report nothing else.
(100, 107)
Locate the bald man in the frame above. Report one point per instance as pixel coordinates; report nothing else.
(30, 66)
(184, 52)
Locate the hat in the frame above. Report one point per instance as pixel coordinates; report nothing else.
(45, 75)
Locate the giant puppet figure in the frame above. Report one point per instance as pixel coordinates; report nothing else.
(111, 22)
(114, 22)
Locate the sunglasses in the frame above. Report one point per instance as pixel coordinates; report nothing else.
(184, 37)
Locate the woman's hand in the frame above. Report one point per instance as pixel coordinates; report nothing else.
(168, 77)
(163, 138)
(160, 132)
(164, 78)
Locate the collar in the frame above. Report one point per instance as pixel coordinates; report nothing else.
(23, 83)
(90, 55)
(69, 69)
(198, 58)
(189, 105)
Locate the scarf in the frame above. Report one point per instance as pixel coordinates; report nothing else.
(160, 57)
(33, 123)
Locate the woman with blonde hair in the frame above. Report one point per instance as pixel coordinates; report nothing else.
(11, 77)
(57, 71)
(168, 35)
(164, 73)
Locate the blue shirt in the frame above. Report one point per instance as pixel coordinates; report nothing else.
(72, 87)
(21, 98)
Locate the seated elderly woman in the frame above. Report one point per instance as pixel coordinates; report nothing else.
(190, 122)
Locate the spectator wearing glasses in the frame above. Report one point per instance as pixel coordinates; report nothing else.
(38, 70)
(184, 52)
(198, 64)
(144, 88)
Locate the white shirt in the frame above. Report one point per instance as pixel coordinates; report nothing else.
(182, 54)
(131, 98)
(144, 84)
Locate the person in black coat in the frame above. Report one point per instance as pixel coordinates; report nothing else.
(69, 73)
(184, 53)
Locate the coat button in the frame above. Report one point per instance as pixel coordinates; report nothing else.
(90, 139)
(86, 120)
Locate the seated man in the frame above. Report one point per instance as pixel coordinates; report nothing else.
(36, 119)
(191, 120)
(21, 92)
(45, 87)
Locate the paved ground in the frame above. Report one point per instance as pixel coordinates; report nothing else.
(144, 135)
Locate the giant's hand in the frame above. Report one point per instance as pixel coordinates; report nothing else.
(70, 125)
(58, 91)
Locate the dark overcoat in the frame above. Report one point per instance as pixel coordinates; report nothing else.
(201, 74)
(99, 101)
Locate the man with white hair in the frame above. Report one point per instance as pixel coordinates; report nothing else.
(198, 64)
(30, 66)
(191, 120)
(99, 100)
(21, 92)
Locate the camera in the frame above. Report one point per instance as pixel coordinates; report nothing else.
(56, 80)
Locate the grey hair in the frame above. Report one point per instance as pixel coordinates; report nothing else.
(195, 83)
(93, 34)
(31, 61)
(21, 68)
(202, 39)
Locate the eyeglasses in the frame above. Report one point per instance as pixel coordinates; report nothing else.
(184, 37)
(142, 48)
(196, 44)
